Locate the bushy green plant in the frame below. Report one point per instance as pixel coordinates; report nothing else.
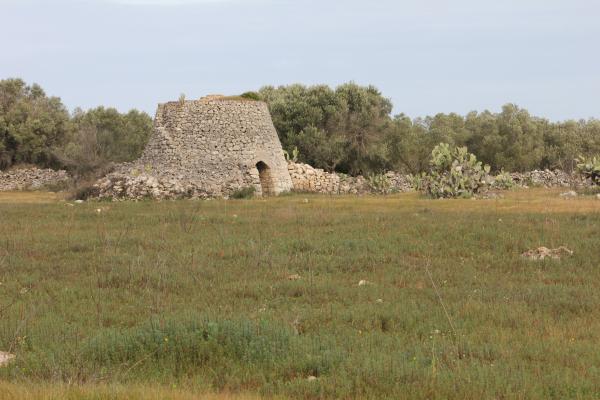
(194, 343)
(244, 193)
(250, 96)
(589, 168)
(379, 183)
(454, 172)
(503, 181)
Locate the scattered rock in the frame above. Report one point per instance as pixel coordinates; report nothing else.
(5, 358)
(78, 201)
(543, 252)
(568, 195)
(379, 301)
(311, 378)
(364, 282)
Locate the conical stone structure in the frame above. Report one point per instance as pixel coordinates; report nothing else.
(218, 144)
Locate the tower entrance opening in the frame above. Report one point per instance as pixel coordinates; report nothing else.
(266, 180)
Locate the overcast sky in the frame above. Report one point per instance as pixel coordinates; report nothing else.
(428, 56)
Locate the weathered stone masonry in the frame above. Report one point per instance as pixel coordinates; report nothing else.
(214, 146)
(31, 178)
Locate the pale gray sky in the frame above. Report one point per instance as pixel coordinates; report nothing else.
(428, 56)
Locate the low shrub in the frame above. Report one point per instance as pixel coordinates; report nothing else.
(250, 96)
(379, 183)
(503, 181)
(454, 173)
(244, 193)
(193, 343)
(589, 168)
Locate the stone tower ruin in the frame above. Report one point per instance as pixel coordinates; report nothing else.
(219, 144)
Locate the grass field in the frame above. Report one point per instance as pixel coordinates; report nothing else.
(181, 298)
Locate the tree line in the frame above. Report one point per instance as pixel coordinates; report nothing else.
(37, 129)
(348, 129)
(351, 129)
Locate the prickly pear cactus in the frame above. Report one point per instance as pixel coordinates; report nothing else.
(503, 181)
(589, 168)
(454, 173)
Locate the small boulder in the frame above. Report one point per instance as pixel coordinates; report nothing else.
(543, 252)
(5, 358)
(569, 195)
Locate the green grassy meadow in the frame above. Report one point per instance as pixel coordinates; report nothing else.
(196, 297)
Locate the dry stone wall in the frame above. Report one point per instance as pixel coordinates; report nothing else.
(31, 178)
(308, 179)
(547, 178)
(211, 148)
(305, 178)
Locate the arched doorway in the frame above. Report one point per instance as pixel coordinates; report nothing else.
(266, 180)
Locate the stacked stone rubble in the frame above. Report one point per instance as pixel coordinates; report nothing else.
(547, 178)
(118, 186)
(31, 178)
(308, 179)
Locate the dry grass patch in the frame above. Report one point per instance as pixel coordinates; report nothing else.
(34, 197)
(9, 391)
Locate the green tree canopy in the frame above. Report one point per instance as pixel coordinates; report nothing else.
(121, 137)
(31, 124)
(347, 129)
(339, 129)
(101, 136)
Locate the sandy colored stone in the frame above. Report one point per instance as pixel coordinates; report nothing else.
(31, 178)
(5, 358)
(542, 253)
(204, 148)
